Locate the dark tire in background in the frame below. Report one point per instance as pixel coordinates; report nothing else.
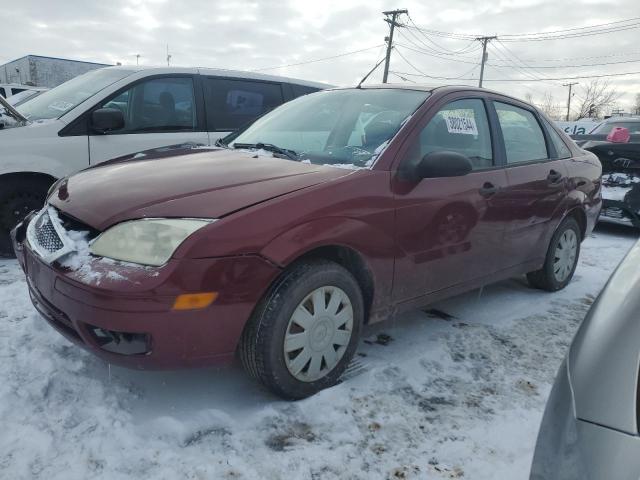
(561, 260)
(18, 197)
(304, 332)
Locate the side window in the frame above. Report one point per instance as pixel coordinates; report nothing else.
(523, 137)
(562, 151)
(17, 90)
(2, 92)
(160, 104)
(461, 126)
(233, 103)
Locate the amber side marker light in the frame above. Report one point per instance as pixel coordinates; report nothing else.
(194, 301)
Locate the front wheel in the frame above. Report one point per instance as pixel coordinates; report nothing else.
(305, 331)
(562, 258)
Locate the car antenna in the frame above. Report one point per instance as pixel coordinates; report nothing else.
(370, 72)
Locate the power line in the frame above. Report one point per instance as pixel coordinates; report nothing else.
(444, 50)
(576, 35)
(575, 28)
(417, 50)
(316, 59)
(610, 27)
(537, 80)
(435, 77)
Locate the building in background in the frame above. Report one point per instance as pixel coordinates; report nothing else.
(42, 71)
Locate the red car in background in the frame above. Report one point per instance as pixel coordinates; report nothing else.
(334, 210)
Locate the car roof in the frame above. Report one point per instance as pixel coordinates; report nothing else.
(432, 88)
(222, 72)
(622, 119)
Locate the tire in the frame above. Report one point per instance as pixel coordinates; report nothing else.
(550, 277)
(17, 198)
(262, 346)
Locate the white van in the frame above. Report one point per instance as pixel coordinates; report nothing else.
(116, 111)
(8, 90)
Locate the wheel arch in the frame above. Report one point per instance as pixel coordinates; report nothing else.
(27, 176)
(581, 217)
(350, 259)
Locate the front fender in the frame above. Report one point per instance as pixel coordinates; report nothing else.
(375, 246)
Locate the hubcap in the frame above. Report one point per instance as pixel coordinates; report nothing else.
(565, 255)
(318, 333)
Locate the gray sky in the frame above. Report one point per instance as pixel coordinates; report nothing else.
(251, 35)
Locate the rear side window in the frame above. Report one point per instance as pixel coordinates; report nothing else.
(233, 103)
(523, 137)
(562, 151)
(300, 90)
(605, 128)
(17, 90)
(461, 126)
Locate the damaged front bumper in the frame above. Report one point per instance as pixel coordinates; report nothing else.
(124, 313)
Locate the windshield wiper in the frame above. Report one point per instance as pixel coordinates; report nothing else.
(270, 147)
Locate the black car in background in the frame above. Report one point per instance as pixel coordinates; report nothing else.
(620, 169)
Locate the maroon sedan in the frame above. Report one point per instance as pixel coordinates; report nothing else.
(337, 209)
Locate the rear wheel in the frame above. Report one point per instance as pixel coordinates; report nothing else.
(17, 198)
(562, 258)
(304, 333)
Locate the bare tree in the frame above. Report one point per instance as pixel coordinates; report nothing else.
(529, 98)
(597, 96)
(549, 107)
(636, 106)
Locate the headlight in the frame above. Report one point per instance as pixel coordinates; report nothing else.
(148, 241)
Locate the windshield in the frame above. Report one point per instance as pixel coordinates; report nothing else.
(58, 101)
(605, 128)
(22, 96)
(338, 127)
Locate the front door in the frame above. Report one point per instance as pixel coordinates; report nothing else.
(449, 230)
(158, 112)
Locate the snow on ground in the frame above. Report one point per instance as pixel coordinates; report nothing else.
(453, 392)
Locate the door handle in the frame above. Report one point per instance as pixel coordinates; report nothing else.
(554, 177)
(488, 189)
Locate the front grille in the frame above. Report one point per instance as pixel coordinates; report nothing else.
(46, 235)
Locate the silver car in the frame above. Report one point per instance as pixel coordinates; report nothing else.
(590, 426)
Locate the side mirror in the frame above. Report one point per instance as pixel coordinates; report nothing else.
(443, 164)
(106, 120)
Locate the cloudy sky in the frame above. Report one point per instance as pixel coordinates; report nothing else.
(261, 34)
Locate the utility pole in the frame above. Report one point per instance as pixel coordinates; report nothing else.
(138, 58)
(570, 85)
(392, 24)
(168, 56)
(485, 41)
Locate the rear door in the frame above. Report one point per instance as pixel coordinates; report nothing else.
(158, 111)
(536, 182)
(450, 230)
(232, 103)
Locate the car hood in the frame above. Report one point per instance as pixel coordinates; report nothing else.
(198, 184)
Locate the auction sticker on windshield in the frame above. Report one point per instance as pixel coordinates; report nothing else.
(463, 125)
